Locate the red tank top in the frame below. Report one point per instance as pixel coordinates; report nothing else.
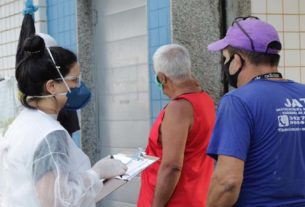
(192, 187)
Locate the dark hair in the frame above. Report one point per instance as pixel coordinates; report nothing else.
(34, 66)
(256, 58)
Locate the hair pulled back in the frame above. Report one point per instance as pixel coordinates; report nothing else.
(34, 66)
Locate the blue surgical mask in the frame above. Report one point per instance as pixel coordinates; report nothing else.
(159, 84)
(78, 97)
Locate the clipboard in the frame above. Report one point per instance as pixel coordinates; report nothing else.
(136, 164)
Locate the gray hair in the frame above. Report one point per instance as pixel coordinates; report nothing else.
(174, 61)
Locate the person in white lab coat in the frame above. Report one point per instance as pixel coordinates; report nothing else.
(40, 166)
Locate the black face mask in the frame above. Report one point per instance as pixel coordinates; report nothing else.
(233, 78)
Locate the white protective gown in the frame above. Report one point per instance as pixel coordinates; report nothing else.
(40, 166)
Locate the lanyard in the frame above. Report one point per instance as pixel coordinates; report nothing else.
(268, 75)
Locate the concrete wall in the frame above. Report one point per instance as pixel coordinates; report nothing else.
(196, 23)
(237, 8)
(91, 142)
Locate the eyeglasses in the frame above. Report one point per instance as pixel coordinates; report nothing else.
(236, 21)
(75, 79)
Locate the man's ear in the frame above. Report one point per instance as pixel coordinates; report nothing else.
(237, 61)
(50, 87)
(162, 78)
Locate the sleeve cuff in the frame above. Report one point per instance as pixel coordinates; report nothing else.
(93, 173)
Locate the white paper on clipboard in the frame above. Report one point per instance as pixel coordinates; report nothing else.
(135, 164)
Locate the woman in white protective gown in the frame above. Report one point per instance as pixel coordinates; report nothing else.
(40, 166)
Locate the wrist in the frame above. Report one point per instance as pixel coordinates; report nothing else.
(93, 173)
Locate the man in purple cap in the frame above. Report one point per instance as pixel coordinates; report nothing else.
(259, 136)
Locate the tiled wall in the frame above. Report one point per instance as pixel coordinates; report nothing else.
(62, 22)
(10, 21)
(288, 17)
(159, 28)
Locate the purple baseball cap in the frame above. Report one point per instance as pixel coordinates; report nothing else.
(250, 34)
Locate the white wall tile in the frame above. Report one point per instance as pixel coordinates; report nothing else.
(281, 70)
(1, 25)
(291, 6)
(302, 6)
(292, 58)
(274, 6)
(3, 50)
(282, 58)
(1, 64)
(276, 21)
(12, 9)
(302, 41)
(258, 6)
(5, 62)
(262, 17)
(281, 36)
(41, 27)
(293, 73)
(291, 23)
(41, 15)
(20, 6)
(12, 61)
(1, 11)
(302, 22)
(303, 75)
(292, 40)
(303, 58)
(41, 3)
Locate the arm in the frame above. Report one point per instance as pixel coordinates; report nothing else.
(62, 175)
(226, 182)
(174, 129)
(44, 194)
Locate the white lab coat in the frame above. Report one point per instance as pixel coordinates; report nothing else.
(40, 166)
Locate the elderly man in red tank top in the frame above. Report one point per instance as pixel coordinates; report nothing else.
(179, 136)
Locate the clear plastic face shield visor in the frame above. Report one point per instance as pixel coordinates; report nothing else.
(74, 79)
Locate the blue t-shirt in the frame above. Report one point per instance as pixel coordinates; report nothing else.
(263, 124)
